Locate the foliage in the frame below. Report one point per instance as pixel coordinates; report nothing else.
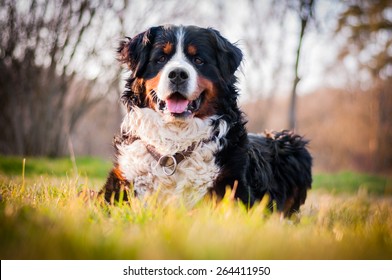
(43, 218)
(369, 28)
(43, 93)
(57, 61)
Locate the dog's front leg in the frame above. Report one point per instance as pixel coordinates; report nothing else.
(116, 187)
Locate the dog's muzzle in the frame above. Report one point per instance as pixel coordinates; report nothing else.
(177, 105)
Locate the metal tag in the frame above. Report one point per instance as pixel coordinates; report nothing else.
(168, 163)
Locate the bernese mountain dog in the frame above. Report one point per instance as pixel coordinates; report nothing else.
(184, 135)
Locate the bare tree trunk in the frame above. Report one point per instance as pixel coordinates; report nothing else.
(305, 13)
(293, 99)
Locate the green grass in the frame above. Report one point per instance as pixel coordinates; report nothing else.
(346, 216)
(350, 182)
(60, 167)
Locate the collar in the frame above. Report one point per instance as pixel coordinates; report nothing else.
(167, 162)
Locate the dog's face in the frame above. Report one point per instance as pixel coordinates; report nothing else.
(178, 71)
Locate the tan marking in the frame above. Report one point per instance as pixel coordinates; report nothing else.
(234, 190)
(207, 107)
(289, 203)
(168, 48)
(192, 50)
(287, 206)
(152, 85)
(117, 172)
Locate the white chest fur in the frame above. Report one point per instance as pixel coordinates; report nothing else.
(194, 175)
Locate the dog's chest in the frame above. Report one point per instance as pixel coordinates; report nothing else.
(192, 179)
(194, 175)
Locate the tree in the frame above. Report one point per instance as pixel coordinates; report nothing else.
(367, 25)
(43, 95)
(304, 10)
(57, 61)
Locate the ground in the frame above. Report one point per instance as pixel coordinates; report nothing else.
(346, 216)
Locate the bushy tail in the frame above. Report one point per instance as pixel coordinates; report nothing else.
(291, 165)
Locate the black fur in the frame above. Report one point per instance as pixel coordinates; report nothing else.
(277, 164)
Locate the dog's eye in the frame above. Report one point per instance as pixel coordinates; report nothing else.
(198, 61)
(161, 59)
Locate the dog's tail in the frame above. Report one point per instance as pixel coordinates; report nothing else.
(292, 167)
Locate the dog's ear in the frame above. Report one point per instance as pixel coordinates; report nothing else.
(229, 56)
(134, 52)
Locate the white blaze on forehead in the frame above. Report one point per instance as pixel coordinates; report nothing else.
(179, 60)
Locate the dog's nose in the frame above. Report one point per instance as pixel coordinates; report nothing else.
(178, 76)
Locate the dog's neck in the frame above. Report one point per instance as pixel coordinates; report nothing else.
(167, 135)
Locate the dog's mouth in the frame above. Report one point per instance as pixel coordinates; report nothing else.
(179, 106)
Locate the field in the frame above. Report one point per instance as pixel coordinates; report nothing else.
(347, 216)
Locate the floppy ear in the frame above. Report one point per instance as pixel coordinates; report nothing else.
(134, 52)
(229, 56)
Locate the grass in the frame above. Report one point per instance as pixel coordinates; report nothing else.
(60, 167)
(346, 216)
(350, 182)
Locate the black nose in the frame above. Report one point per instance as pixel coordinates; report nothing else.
(178, 76)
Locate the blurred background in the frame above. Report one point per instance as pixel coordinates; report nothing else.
(321, 67)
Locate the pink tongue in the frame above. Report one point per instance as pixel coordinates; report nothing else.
(177, 105)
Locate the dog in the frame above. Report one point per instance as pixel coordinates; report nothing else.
(184, 135)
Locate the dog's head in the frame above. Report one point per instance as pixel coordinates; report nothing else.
(179, 71)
